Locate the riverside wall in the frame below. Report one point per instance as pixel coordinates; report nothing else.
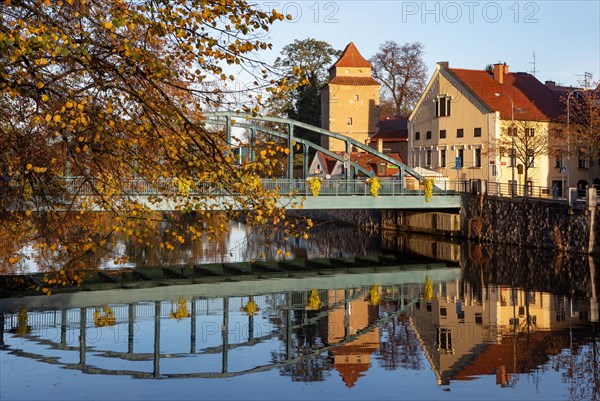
(488, 219)
(531, 223)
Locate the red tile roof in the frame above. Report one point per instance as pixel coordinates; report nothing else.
(351, 58)
(538, 102)
(390, 136)
(351, 372)
(369, 162)
(392, 129)
(393, 123)
(354, 81)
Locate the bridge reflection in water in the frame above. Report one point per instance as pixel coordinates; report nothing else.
(342, 312)
(309, 326)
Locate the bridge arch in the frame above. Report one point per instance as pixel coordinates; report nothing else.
(253, 123)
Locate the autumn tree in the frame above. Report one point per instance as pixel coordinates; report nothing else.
(310, 58)
(402, 73)
(583, 136)
(525, 142)
(103, 98)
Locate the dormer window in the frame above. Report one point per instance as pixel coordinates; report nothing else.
(443, 105)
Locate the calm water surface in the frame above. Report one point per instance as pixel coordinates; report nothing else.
(452, 321)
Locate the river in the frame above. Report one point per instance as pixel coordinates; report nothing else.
(387, 317)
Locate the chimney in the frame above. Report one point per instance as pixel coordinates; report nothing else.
(499, 71)
(550, 84)
(380, 145)
(443, 64)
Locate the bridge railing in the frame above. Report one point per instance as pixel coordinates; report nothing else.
(79, 186)
(519, 191)
(334, 187)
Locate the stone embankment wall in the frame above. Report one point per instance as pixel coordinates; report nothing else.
(531, 223)
(488, 219)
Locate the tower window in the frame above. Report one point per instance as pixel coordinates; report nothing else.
(357, 97)
(349, 121)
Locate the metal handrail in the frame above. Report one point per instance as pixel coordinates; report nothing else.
(329, 187)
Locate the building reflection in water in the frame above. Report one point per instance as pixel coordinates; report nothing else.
(466, 324)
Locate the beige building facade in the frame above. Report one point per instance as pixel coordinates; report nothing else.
(462, 118)
(350, 100)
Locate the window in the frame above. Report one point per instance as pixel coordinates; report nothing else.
(428, 158)
(349, 121)
(357, 97)
(477, 157)
(460, 133)
(477, 132)
(443, 312)
(442, 105)
(478, 318)
(581, 161)
(443, 158)
(443, 134)
(512, 158)
(417, 136)
(529, 132)
(428, 135)
(558, 162)
(512, 131)
(461, 154)
(444, 339)
(530, 156)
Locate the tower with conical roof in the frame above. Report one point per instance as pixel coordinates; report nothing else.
(350, 100)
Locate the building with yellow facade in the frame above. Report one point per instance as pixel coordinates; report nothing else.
(457, 126)
(349, 100)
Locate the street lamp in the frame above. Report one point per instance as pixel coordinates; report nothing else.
(512, 132)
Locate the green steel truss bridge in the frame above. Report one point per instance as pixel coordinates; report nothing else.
(349, 191)
(337, 193)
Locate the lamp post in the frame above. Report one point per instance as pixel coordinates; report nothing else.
(512, 133)
(569, 135)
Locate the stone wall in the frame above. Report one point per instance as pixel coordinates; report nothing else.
(537, 224)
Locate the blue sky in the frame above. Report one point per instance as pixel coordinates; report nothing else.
(565, 35)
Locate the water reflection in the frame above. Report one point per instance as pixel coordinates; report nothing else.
(458, 327)
(235, 242)
(511, 319)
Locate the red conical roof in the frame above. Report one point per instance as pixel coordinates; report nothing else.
(351, 57)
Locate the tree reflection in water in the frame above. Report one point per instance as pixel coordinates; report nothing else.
(510, 312)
